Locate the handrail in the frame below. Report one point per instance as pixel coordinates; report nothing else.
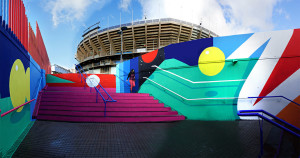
(250, 113)
(97, 90)
(279, 96)
(229, 98)
(36, 95)
(122, 80)
(94, 82)
(2, 115)
(196, 82)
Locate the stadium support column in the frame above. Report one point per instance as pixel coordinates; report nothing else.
(121, 47)
(103, 50)
(179, 33)
(133, 40)
(121, 33)
(159, 29)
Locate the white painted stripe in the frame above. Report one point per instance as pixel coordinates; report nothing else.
(197, 81)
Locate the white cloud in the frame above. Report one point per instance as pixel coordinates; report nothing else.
(282, 12)
(70, 10)
(224, 17)
(124, 4)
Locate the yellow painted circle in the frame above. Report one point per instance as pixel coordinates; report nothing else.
(211, 61)
(19, 84)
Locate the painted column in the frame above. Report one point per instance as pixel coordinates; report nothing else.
(0, 8)
(10, 9)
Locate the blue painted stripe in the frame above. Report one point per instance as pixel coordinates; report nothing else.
(228, 44)
(7, 11)
(1, 7)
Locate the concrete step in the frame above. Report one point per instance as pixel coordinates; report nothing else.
(108, 114)
(111, 119)
(116, 97)
(109, 104)
(91, 94)
(81, 100)
(95, 109)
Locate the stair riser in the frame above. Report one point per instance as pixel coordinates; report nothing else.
(93, 94)
(95, 109)
(94, 100)
(83, 90)
(94, 97)
(112, 114)
(99, 104)
(111, 119)
(78, 89)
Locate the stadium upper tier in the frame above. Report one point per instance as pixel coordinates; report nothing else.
(101, 49)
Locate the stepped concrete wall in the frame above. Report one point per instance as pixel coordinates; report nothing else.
(211, 79)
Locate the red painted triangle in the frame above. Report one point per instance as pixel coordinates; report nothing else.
(288, 64)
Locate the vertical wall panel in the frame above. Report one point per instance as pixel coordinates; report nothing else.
(3, 10)
(7, 11)
(0, 8)
(9, 23)
(13, 15)
(13, 12)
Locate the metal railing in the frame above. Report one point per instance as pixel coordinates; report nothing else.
(279, 96)
(79, 69)
(122, 80)
(257, 114)
(195, 82)
(4, 114)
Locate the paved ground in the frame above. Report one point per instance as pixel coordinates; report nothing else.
(178, 139)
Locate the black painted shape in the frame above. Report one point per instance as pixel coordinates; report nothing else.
(146, 69)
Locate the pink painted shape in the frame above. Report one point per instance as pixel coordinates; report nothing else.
(2, 115)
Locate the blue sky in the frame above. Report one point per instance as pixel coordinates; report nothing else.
(62, 22)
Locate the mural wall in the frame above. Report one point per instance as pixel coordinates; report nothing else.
(21, 76)
(74, 80)
(210, 79)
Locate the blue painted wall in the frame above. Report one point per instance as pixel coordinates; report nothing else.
(19, 82)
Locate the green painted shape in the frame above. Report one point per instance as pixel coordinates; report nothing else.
(12, 126)
(54, 79)
(203, 109)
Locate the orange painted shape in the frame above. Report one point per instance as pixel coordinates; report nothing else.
(149, 57)
(291, 113)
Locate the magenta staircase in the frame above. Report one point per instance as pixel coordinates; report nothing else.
(76, 104)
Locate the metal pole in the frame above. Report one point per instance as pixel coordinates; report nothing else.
(121, 46)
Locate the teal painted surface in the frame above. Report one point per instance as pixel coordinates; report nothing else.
(54, 79)
(12, 125)
(118, 81)
(202, 109)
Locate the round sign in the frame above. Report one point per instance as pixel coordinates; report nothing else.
(93, 81)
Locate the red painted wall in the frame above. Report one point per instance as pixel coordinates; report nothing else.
(106, 80)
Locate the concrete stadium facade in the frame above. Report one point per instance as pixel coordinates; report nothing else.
(100, 50)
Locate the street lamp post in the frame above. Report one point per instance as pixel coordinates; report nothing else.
(121, 33)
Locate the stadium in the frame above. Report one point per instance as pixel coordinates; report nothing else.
(191, 94)
(100, 50)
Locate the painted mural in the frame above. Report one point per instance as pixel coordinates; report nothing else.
(211, 79)
(21, 76)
